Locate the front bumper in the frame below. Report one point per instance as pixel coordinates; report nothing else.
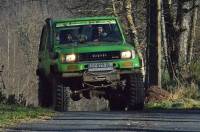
(116, 73)
(83, 66)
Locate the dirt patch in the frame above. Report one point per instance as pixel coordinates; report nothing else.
(156, 93)
(94, 104)
(153, 94)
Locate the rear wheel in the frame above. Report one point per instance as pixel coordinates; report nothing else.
(135, 91)
(61, 95)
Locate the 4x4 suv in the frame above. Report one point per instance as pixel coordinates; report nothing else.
(86, 57)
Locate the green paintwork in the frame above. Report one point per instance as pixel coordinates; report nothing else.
(85, 48)
(81, 66)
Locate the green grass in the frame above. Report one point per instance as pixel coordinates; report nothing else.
(13, 114)
(185, 94)
(174, 104)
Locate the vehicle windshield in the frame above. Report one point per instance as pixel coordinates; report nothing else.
(95, 33)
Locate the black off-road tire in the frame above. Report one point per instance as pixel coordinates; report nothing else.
(61, 95)
(135, 91)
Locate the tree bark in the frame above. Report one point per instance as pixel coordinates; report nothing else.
(192, 31)
(183, 21)
(164, 41)
(130, 20)
(114, 8)
(154, 43)
(171, 38)
(159, 41)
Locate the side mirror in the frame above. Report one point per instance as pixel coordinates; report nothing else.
(53, 55)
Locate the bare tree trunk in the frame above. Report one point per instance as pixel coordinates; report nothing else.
(14, 61)
(114, 8)
(183, 22)
(154, 43)
(179, 34)
(130, 20)
(192, 30)
(172, 34)
(164, 40)
(8, 41)
(159, 41)
(8, 38)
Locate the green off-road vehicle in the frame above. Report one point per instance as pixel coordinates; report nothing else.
(87, 57)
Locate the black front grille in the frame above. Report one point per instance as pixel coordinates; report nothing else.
(93, 56)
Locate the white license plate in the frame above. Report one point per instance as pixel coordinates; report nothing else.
(100, 66)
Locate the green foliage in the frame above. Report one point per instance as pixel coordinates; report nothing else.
(185, 91)
(193, 71)
(167, 83)
(158, 105)
(10, 114)
(191, 91)
(189, 80)
(174, 104)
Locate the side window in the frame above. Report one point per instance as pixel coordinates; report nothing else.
(43, 39)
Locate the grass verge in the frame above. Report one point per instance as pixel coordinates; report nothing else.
(174, 104)
(14, 114)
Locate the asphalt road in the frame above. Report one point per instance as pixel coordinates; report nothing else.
(160, 121)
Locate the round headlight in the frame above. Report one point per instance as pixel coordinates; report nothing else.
(70, 58)
(126, 54)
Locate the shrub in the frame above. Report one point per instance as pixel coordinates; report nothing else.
(191, 72)
(190, 91)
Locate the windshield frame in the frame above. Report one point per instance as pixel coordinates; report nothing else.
(58, 29)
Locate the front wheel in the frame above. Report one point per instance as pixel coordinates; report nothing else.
(61, 95)
(135, 91)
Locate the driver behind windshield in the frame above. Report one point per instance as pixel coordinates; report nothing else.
(89, 33)
(100, 34)
(68, 38)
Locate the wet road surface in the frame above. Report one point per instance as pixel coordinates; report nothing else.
(160, 121)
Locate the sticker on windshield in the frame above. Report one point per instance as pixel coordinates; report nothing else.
(89, 22)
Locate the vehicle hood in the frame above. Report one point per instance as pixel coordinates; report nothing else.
(85, 48)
